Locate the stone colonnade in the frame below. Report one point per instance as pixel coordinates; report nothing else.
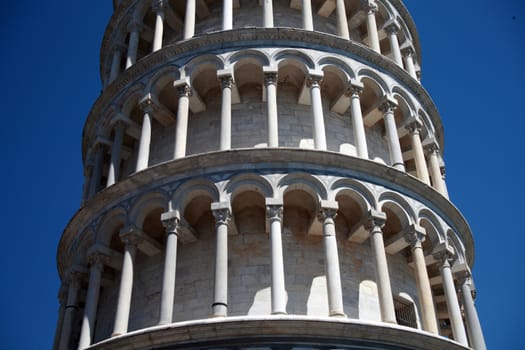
(371, 225)
(402, 55)
(426, 154)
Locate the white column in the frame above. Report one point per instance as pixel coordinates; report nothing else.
(396, 156)
(97, 261)
(115, 64)
(171, 222)
(267, 14)
(226, 112)
(415, 236)
(227, 14)
(371, 25)
(392, 29)
(376, 221)
(97, 169)
(477, 341)
(308, 22)
(114, 165)
(408, 54)
(181, 128)
(134, 29)
(60, 321)
(274, 212)
(222, 213)
(145, 135)
(342, 22)
(131, 239)
(435, 170)
(158, 8)
(445, 254)
(355, 90)
(189, 20)
(333, 276)
(270, 81)
(71, 309)
(314, 82)
(414, 129)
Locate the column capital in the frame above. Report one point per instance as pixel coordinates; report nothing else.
(76, 275)
(392, 27)
(101, 141)
(369, 6)
(415, 235)
(375, 219)
(431, 147)
(147, 103)
(328, 210)
(120, 121)
(158, 5)
(135, 26)
(119, 47)
(131, 235)
(183, 87)
(274, 209)
(355, 88)
(221, 212)
(414, 126)
(445, 254)
(389, 104)
(98, 259)
(270, 75)
(226, 78)
(407, 50)
(314, 79)
(171, 222)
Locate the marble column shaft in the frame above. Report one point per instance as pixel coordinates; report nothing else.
(392, 31)
(308, 23)
(181, 128)
(130, 239)
(314, 83)
(342, 22)
(435, 170)
(227, 14)
(115, 64)
(419, 153)
(114, 165)
(408, 54)
(357, 120)
(274, 212)
(394, 147)
(222, 215)
(133, 44)
(454, 312)
(90, 310)
(189, 19)
(97, 170)
(171, 222)
(270, 81)
(333, 275)
(428, 312)
(226, 113)
(159, 28)
(477, 340)
(71, 309)
(267, 13)
(384, 288)
(145, 140)
(371, 25)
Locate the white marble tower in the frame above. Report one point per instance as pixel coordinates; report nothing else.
(264, 175)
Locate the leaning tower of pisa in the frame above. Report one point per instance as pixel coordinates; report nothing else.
(264, 175)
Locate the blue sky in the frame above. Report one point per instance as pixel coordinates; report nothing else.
(473, 67)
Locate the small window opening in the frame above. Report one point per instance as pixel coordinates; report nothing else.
(405, 312)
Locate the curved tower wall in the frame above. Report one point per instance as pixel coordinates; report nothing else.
(264, 173)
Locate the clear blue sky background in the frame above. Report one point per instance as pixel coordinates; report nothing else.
(473, 67)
